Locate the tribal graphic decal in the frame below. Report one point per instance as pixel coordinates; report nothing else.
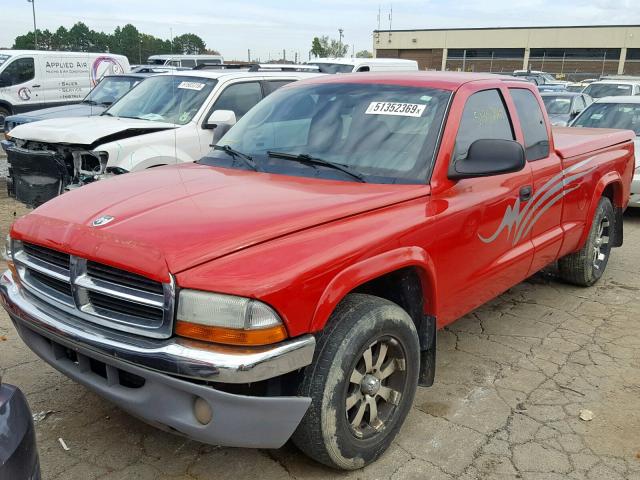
(520, 222)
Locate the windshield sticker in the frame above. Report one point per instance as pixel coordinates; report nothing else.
(191, 85)
(395, 108)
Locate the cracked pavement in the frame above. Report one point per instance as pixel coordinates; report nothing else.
(512, 378)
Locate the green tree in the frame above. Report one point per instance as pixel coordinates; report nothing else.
(127, 40)
(188, 44)
(326, 47)
(317, 48)
(364, 54)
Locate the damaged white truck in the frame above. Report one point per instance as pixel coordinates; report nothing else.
(167, 119)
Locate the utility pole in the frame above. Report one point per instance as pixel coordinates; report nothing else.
(341, 32)
(35, 30)
(249, 55)
(284, 54)
(140, 52)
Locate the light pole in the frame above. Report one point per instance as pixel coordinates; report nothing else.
(340, 31)
(35, 30)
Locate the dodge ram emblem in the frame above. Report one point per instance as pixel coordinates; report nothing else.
(101, 221)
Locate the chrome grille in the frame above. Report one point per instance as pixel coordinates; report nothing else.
(96, 292)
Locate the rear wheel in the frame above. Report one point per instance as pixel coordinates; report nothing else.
(586, 266)
(362, 383)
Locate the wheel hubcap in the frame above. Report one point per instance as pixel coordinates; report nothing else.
(601, 243)
(375, 387)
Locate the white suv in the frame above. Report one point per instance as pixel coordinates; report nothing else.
(167, 119)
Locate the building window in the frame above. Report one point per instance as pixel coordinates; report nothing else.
(485, 53)
(575, 53)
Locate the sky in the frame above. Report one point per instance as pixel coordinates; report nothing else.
(233, 27)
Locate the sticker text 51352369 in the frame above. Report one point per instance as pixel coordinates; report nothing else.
(395, 108)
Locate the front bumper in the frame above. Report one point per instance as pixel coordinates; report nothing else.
(105, 361)
(634, 200)
(18, 452)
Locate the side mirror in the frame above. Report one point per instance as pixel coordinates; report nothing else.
(488, 157)
(220, 119)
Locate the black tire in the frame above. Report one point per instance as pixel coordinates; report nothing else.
(357, 332)
(586, 266)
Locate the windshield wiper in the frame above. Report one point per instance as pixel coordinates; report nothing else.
(237, 154)
(308, 159)
(89, 102)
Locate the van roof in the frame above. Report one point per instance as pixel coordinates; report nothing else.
(232, 74)
(176, 56)
(353, 61)
(55, 52)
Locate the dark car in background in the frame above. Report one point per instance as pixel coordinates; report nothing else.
(18, 452)
(110, 89)
(562, 107)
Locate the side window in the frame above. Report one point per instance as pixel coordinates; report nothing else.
(579, 105)
(17, 72)
(188, 62)
(273, 85)
(239, 97)
(534, 128)
(484, 117)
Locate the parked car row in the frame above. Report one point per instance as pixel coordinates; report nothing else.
(290, 281)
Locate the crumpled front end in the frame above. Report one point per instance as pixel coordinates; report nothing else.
(39, 172)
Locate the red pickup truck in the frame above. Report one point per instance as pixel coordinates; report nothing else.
(290, 283)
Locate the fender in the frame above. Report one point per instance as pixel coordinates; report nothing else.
(611, 178)
(371, 268)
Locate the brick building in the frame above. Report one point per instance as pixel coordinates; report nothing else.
(573, 52)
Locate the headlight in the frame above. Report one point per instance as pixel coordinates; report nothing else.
(219, 318)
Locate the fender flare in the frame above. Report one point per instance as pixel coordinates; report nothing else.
(371, 268)
(610, 178)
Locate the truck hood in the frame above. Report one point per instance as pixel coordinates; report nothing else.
(75, 110)
(169, 219)
(86, 131)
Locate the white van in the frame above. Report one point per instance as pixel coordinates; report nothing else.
(188, 61)
(349, 65)
(34, 79)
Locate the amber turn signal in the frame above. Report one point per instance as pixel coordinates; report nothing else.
(231, 336)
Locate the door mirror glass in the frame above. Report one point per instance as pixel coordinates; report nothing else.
(488, 157)
(220, 118)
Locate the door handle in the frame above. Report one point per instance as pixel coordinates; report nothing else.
(525, 193)
(35, 86)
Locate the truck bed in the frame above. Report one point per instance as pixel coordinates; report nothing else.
(570, 142)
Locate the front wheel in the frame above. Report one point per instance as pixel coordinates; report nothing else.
(586, 266)
(362, 383)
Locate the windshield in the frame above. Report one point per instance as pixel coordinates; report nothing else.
(111, 89)
(548, 78)
(557, 105)
(333, 67)
(599, 90)
(4, 58)
(165, 98)
(156, 61)
(625, 116)
(384, 133)
(575, 88)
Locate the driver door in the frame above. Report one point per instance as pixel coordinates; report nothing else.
(479, 251)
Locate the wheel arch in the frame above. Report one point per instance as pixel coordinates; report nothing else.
(414, 290)
(7, 105)
(609, 186)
